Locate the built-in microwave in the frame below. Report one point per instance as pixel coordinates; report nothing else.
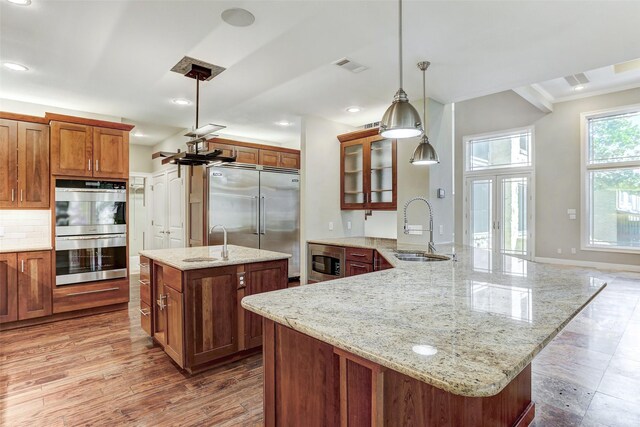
(325, 262)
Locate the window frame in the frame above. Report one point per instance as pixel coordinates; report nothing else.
(499, 169)
(585, 182)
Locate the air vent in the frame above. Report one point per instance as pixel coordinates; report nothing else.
(350, 65)
(577, 79)
(371, 125)
(187, 65)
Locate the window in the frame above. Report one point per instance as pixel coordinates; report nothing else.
(611, 176)
(502, 150)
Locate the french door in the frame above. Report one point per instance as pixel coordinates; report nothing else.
(499, 213)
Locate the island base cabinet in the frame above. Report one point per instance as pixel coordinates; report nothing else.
(351, 391)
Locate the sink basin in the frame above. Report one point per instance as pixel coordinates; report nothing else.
(420, 257)
(201, 259)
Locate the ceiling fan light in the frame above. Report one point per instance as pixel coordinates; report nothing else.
(424, 154)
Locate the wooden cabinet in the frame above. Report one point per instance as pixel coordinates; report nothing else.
(174, 343)
(24, 165)
(111, 153)
(81, 150)
(256, 154)
(34, 284)
(261, 277)
(211, 314)
(368, 170)
(146, 295)
(8, 288)
(90, 295)
(354, 268)
(269, 158)
(289, 160)
(243, 154)
(168, 311)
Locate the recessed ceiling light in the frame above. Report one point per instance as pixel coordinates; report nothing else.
(353, 109)
(578, 88)
(238, 17)
(181, 101)
(15, 67)
(284, 123)
(20, 2)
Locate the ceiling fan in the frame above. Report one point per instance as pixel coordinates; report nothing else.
(195, 155)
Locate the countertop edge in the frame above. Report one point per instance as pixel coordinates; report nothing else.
(35, 249)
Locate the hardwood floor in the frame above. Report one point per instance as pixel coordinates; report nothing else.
(103, 370)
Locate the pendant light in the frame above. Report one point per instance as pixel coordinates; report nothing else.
(400, 120)
(424, 153)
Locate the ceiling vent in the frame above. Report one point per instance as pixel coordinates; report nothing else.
(371, 125)
(349, 65)
(577, 79)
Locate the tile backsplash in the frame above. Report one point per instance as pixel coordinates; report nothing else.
(25, 229)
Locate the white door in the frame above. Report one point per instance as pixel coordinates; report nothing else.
(175, 208)
(499, 214)
(159, 211)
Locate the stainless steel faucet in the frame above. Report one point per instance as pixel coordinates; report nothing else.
(225, 249)
(432, 246)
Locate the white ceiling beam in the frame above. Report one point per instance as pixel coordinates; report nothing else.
(536, 96)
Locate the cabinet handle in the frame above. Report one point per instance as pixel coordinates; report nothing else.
(13, 195)
(21, 195)
(22, 265)
(143, 282)
(358, 265)
(143, 265)
(89, 164)
(97, 165)
(144, 312)
(161, 302)
(358, 255)
(97, 291)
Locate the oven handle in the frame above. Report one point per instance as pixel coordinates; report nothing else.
(91, 242)
(89, 190)
(93, 237)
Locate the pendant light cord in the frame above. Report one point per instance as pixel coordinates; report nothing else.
(424, 100)
(400, 38)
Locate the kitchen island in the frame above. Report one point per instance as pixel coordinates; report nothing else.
(425, 343)
(190, 301)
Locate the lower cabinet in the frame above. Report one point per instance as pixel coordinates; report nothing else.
(354, 268)
(196, 315)
(25, 285)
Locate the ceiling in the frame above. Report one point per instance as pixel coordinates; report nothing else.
(113, 57)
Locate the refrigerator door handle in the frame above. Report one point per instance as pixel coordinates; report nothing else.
(256, 199)
(264, 215)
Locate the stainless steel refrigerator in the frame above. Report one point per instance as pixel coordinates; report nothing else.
(259, 206)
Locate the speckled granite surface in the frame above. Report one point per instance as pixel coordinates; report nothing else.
(484, 316)
(237, 255)
(27, 249)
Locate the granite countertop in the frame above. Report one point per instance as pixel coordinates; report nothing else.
(27, 249)
(468, 327)
(237, 255)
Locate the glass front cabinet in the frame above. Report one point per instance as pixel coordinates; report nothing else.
(368, 171)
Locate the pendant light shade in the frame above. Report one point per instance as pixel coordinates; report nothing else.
(425, 153)
(400, 120)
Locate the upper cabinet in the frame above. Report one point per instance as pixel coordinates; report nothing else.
(89, 148)
(368, 171)
(24, 164)
(255, 154)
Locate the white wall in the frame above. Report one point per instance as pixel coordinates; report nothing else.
(140, 158)
(557, 164)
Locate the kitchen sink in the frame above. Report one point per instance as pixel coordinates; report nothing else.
(201, 259)
(420, 257)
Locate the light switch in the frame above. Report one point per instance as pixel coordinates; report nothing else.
(572, 216)
(348, 225)
(441, 230)
(330, 225)
(571, 211)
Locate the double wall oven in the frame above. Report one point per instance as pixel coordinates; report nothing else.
(91, 231)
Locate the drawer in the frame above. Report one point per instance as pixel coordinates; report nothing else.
(79, 297)
(359, 254)
(145, 317)
(171, 277)
(145, 290)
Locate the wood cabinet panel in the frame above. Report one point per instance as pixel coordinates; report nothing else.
(227, 149)
(33, 165)
(247, 155)
(8, 163)
(80, 297)
(359, 255)
(34, 284)
(381, 263)
(211, 314)
(261, 277)
(174, 343)
(145, 317)
(8, 288)
(158, 305)
(269, 158)
(71, 149)
(355, 268)
(111, 153)
(289, 160)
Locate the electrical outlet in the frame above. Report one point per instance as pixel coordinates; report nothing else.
(441, 230)
(559, 250)
(573, 250)
(348, 225)
(330, 225)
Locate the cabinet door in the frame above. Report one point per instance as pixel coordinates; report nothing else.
(71, 149)
(227, 150)
(289, 160)
(355, 268)
(8, 288)
(173, 337)
(33, 165)
(382, 174)
(354, 182)
(269, 158)
(111, 153)
(34, 284)
(261, 277)
(211, 314)
(247, 155)
(8, 163)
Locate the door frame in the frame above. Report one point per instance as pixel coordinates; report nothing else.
(134, 259)
(183, 202)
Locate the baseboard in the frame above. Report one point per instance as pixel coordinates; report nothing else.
(591, 264)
